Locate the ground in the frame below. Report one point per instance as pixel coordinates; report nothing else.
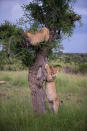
(16, 108)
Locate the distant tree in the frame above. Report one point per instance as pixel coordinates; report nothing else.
(58, 16)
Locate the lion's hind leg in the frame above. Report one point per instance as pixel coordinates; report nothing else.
(50, 104)
(55, 105)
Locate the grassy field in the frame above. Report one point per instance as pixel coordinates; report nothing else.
(16, 108)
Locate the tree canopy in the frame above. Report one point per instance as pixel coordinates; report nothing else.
(57, 15)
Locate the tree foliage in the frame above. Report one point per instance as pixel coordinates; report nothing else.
(57, 15)
(14, 43)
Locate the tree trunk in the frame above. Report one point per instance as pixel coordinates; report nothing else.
(36, 77)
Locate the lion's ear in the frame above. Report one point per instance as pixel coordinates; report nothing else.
(55, 70)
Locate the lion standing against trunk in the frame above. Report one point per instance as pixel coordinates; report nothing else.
(51, 92)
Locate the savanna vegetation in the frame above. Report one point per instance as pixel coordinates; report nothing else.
(68, 62)
(16, 113)
(58, 18)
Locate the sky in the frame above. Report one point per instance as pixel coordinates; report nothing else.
(11, 10)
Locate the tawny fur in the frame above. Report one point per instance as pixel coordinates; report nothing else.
(51, 92)
(38, 36)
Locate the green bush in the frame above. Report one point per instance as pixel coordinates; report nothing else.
(83, 68)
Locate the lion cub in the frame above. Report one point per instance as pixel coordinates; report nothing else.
(51, 92)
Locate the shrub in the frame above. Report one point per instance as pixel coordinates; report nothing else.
(83, 68)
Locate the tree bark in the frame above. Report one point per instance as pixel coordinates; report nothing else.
(37, 75)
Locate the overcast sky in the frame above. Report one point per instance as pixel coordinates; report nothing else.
(11, 10)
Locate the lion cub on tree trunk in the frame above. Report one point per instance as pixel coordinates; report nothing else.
(51, 92)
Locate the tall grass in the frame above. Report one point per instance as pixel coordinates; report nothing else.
(16, 112)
